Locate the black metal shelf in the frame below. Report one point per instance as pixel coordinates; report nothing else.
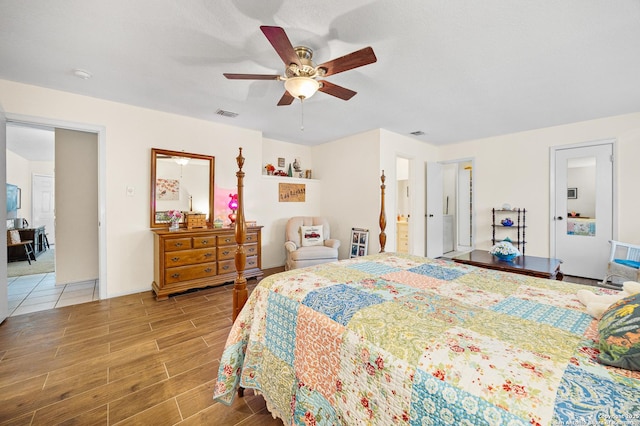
(518, 225)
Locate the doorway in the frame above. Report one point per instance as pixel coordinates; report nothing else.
(582, 207)
(449, 218)
(62, 288)
(403, 205)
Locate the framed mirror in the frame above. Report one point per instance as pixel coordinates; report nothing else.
(180, 181)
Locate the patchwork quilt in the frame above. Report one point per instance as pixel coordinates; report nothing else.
(399, 339)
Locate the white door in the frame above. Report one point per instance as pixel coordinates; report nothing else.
(43, 203)
(4, 296)
(583, 209)
(434, 225)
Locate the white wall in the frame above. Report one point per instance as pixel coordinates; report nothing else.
(76, 206)
(514, 169)
(350, 187)
(511, 168)
(131, 132)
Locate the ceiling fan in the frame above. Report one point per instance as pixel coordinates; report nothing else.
(301, 76)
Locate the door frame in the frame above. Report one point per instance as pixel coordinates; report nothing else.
(100, 131)
(552, 187)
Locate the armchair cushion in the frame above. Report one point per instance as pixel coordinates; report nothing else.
(626, 262)
(311, 235)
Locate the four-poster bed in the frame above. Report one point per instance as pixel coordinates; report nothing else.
(394, 338)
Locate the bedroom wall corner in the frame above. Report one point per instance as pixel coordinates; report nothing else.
(348, 169)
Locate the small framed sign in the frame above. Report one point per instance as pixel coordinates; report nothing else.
(359, 242)
(572, 193)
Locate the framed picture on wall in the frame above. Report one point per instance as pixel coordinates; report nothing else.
(572, 193)
(359, 242)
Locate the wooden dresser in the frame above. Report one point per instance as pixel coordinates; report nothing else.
(196, 258)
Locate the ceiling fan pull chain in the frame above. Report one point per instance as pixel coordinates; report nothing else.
(302, 114)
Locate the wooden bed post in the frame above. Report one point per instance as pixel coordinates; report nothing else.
(240, 284)
(383, 216)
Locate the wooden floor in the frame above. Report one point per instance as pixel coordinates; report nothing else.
(125, 360)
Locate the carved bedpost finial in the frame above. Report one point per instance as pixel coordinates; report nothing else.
(383, 216)
(240, 160)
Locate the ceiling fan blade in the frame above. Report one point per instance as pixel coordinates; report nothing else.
(347, 62)
(286, 99)
(280, 42)
(337, 91)
(251, 76)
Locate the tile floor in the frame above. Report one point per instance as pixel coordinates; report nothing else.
(32, 293)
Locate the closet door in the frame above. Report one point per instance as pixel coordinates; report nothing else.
(582, 211)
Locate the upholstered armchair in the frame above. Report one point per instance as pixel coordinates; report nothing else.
(308, 242)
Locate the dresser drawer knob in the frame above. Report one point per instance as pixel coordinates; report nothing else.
(226, 252)
(207, 270)
(204, 242)
(178, 244)
(208, 254)
(175, 276)
(175, 259)
(225, 267)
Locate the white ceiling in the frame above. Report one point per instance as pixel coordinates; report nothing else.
(454, 69)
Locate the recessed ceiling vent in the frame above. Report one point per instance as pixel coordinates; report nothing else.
(418, 133)
(227, 113)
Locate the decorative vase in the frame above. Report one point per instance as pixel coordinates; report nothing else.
(506, 222)
(506, 257)
(174, 226)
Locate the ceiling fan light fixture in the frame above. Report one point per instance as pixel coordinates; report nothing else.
(301, 87)
(183, 161)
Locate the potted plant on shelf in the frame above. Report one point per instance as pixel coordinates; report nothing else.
(504, 250)
(174, 218)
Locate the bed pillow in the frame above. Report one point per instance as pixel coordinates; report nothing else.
(619, 331)
(311, 235)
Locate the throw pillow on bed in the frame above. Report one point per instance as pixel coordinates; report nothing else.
(311, 235)
(619, 331)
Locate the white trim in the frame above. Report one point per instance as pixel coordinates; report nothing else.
(102, 180)
(552, 186)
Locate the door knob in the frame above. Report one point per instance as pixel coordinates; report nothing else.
(430, 215)
(559, 218)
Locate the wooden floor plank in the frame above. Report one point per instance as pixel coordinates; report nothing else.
(126, 360)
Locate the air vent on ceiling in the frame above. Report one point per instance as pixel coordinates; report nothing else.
(227, 113)
(418, 133)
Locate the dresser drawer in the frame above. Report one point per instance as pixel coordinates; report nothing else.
(192, 272)
(225, 240)
(202, 242)
(189, 257)
(227, 266)
(229, 252)
(172, 244)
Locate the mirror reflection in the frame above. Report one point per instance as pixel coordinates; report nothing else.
(581, 196)
(180, 181)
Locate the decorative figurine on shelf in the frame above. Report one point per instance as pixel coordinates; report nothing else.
(296, 166)
(233, 205)
(270, 169)
(290, 172)
(506, 222)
